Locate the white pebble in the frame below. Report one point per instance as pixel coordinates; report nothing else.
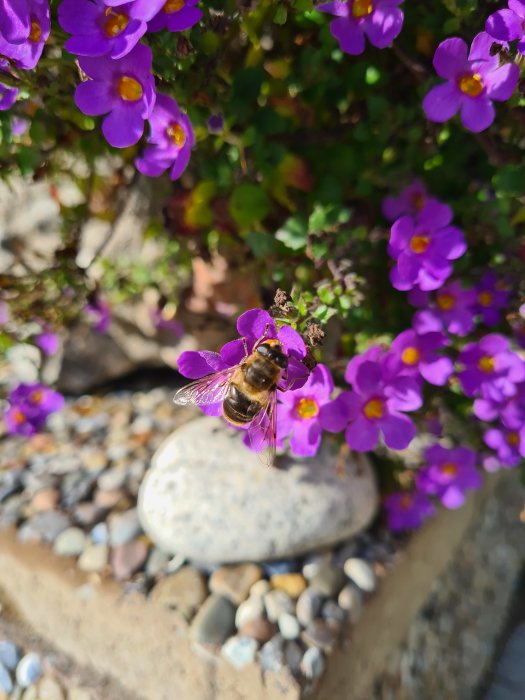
(289, 626)
(361, 574)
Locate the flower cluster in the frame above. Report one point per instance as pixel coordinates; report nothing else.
(29, 407)
(24, 29)
(475, 77)
(121, 86)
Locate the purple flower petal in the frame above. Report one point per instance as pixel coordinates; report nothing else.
(194, 365)
(383, 26)
(504, 25)
(350, 36)
(398, 431)
(362, 435)
(442, 102)
(254, 323)
(450, 58)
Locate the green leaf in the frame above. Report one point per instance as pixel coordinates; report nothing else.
(281, 15)
(249, 204)
(294, 233)
(261, 244)
(326, 217)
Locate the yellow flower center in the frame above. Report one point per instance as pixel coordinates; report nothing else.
(362, 8)
(173, 6)
(485, 298)
(446, 301)
(116, 23)
(449, 469)
(373, 409)
(130, 89)
(307, 408)
(176, 134)
(36, 396)
(471, 85)
(18, 416)
(419, 244)
(513, 439)
(486, 364)
(410, 356)
(418, 201)
(36, 31)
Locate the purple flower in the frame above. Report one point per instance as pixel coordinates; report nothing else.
(510, 411)
(252, 325)
(165, 322)
(176, 15)
(492, 295)
(98, 30)
(450, 310)
(473, 82)
(379, 20)
(375, 406)
(449, 474)
(48, 342)
(170, 141)
(143, 10)
(15, 23)
(123, 89)
(298, 412)
(411, 201)
(19, 126)
(8, 97)
(408, 511)
(509, 25)
(26, 54)
(30, 405)
(491, 368)
(508, 444)
(423, 248)
(4, 313)
(412, 354)
(216, 124)
(99, 315)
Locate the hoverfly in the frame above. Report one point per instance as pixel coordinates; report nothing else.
(247, 391)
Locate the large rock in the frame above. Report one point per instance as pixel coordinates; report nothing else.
(210, 499)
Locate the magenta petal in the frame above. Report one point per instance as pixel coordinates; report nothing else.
(233, 352)
(404, 394)
(437, 371)
(368, 378)
(504, 25)
(477, 114)
(442, 102)
(292, 341)
(518, 6)
(450, 58)
(401, 232)
(362, 435)
(306, 438)
(339, 9)
(350, 36)
(123, 127)
(194, 365)
(94, 98)
(480, 50)
(501, 83)
(253, 324)
(398, 431)
(384, 26)
(453, 498)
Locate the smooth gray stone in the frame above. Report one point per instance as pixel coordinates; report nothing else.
(211, 499)
(214, 622)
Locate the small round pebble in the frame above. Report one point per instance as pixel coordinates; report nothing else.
(94, 558)
(260, 588)
(260, 629)
(308, 606)
(239, 651)
(328, 581)
(123, 527)
(332, 611)
(361, 574)
(293, 584)
(157, 562)
(9, 654)
(271, 655)
(6, 683)
(313, 663)
(29, 670)
(289, 626)
(314, 563)
(99, 534)
(351, 600)
(249, 610)
(49, 689)
(70, 543)
(276, 603)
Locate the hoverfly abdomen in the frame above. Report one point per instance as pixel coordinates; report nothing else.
(238, 408)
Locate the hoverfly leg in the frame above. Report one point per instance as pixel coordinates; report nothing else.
(245, 346)
(263, 337)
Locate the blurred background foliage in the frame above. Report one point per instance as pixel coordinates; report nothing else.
(290, 190)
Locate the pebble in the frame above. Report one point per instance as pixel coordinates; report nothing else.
(123, 527)
(239, 651)
(79, 694)
(108, 499)
(29, 670)
(249, 610)
(94, 558)
(87, 514)
(260, 629)
(77, 487)
(273, 568)
(185, 591)
(49, 689)
(112, 479)
(293, 584)
(234, 582)
(308, 606)
(214, 622)
(6, 684)
(30, 693)
(128, 558)
(320, 634)
(9, 654)
(313, 564)
(289, 626)
(328, 581)
(313, 663)
(99, 534)
(70, 543)
(45, 500)
(271, 655)
(293, 654)
(350, 599)
(261, 588)
(157, 562)
(361, 574)
(332, 611)
(277, 603)
(48, 525)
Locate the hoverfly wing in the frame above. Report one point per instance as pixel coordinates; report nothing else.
(262, 432)
(207, 390)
